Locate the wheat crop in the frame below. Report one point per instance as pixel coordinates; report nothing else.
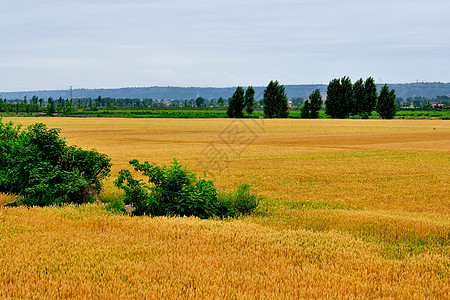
(351, 209)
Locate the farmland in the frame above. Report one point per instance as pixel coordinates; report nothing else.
(351, 208)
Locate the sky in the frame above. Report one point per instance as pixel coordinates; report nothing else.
(54, 44)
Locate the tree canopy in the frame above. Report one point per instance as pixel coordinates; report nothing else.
(345, 99)
(358, 106)
(339, 98)
(37, 164)
(315, 103)
(386, 103)
(370, 96)
(236, 104)
(275, 101)
(249, 101)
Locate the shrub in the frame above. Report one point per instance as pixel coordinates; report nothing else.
(243, 201)
(37, 164)
(176, 191)
(116, 206)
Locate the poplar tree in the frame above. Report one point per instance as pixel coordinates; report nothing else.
(50, 106)
(304, 112)
(358, 98)
(275, 101)
(249, 101)
(370, 97)
(386, 103)
(332, 102)
(236, 104)
(339, 98)
(315, 103)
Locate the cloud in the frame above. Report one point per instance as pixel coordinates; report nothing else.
(218, 42)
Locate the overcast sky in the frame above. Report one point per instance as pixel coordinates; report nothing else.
(54, 44)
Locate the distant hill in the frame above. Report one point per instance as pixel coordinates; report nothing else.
(428, 90)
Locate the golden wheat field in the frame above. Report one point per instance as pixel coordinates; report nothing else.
(351, 209)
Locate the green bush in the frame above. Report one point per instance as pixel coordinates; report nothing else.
(37, 164)
(243, 201)
(176, 191)
(117, 206)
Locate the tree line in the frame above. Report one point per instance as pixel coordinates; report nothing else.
(61, 105)
(274, 102)
(424, 102)
(343, 100)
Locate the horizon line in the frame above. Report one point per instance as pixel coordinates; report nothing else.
(202, 87)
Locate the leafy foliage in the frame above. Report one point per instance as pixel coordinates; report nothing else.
(236, 104)
(358, 106)
(344, 99)
(249, 101)
(364, 97)
(370, 97)
(339, 98)
(176, 191)
(51, 106)
(304, 112)
(36, 164)
(332, 103)
(275, 101)
(386, 103)
(315, 100)
(199, 101)
(243, 201)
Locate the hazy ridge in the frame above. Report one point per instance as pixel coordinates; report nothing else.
(404, 90)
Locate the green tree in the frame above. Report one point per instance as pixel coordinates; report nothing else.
(199, 101)
(236, 104)
(220, 102)
(50, 106)
(315, 103)
(249, 101)
(230, 108)
(98, 102)
(304, 112)
(386, 103)
(370, 97)
(68, 106)
(339, 98)
(332, 102)
(34, 103)
(346, 96)
(275, 101)
(37, 164)
(60, 105)
(358, 97)
(297, 101)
